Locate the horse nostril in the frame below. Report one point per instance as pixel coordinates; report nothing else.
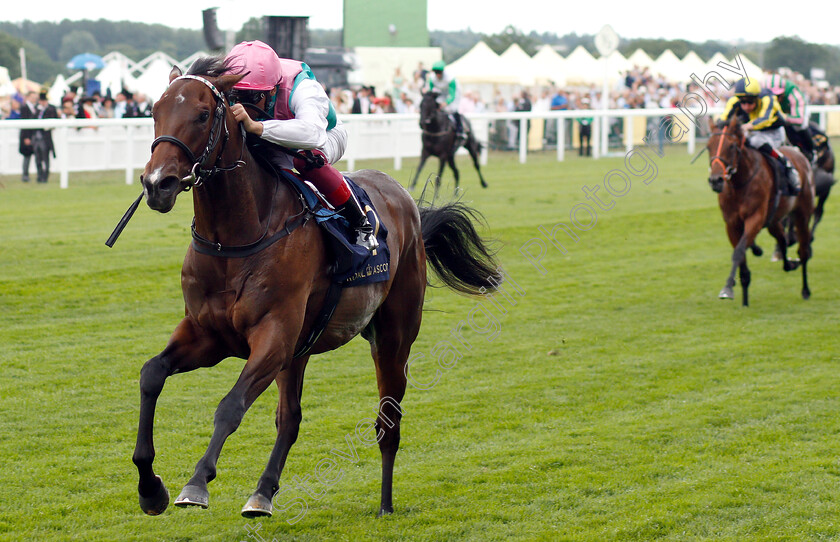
(169, 184)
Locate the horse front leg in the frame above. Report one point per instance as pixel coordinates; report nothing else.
(439, 174)
(741, 242)
(423, 157)
(745, 276)
(270, 351)
(290, 387)
(188, 349)
(454, 167)
(804, 236)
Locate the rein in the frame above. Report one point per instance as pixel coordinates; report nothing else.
(199, 173)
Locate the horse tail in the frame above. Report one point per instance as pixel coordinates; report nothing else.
(457, 253)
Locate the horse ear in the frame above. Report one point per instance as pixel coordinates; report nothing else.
(712, 124)
(175, 73)
(226, 82)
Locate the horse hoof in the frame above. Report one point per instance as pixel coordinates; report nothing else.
(806, 294)
(257, 506)
(155, 504)
(193, 496)
(726, 293)
(757, 250)
(777, 257)
(791, 265)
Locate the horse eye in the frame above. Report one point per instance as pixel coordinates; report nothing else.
(204, 116)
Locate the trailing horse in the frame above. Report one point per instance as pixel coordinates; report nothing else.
(257, 275)
(439, 139)
(748, 199)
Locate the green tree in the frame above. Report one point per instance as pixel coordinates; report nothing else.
(39, 66)
(253, 29)
(510, 35)
(77, 42)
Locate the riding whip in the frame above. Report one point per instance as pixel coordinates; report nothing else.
(123, 221)
(696, 156)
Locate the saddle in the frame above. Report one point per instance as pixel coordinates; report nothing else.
(781, 180)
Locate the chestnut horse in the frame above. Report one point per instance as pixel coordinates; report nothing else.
(747, 197)
(439, 140)
(261, 295)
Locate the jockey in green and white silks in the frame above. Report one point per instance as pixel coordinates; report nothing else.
(795, 107)
(449, 93)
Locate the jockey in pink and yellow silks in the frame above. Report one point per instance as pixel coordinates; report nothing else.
(302, 117)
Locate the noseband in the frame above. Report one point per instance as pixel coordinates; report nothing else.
(199, 172)
(728, 170)
(436, 115)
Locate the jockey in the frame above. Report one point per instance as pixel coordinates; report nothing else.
(303, 117)
(449, 94)
(763, 122)
(794, 106)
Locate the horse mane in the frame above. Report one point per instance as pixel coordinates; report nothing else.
(214, 66)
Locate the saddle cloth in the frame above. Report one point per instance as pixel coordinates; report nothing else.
(354, 265)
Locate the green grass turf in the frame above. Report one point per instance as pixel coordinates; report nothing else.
(618, 400)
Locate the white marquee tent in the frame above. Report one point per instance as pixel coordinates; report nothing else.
(693, 64)
(550, 65)
(515, 58)
(640, 58)
(583, 68)
(482, 65)
(669, 66)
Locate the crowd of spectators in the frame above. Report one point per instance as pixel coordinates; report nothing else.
(638, 88)
(94, 106)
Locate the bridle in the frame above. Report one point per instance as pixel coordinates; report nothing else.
(199, 171)
(728, 170)
(437, 114)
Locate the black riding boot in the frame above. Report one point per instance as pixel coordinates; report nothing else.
(807, 145)
(790, 173)
(352, 211)
(460, 136)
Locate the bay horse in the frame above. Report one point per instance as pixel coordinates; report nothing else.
(747, 197)
(439, 140)
(259, 298)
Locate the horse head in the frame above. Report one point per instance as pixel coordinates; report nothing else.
(429, 109)
(725, 147)
(192, 128)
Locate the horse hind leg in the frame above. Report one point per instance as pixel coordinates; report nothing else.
(777, 230)
(287, 421)
(475, 151)
(818, 213)
(395, 327)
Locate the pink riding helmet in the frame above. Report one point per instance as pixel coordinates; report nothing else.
(260, 60)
